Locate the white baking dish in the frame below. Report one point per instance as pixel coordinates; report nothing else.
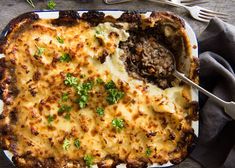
(116, 14)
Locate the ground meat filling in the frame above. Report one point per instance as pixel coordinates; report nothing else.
(147, 59)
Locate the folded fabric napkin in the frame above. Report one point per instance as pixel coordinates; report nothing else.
(216, 143)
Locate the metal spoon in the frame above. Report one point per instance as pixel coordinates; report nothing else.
(170, 69)
(229, 107)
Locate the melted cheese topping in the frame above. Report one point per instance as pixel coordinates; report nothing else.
(153, 118)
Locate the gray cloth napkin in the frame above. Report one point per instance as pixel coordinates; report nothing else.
(216, 143)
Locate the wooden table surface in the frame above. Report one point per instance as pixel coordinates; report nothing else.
(12, 8)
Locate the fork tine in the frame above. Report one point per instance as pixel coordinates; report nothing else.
(213, 15)
(203, 19)
(213, 12)
(194, 3)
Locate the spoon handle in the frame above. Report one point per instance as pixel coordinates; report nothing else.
(191, 83)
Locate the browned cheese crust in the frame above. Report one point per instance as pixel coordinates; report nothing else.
(47, 123)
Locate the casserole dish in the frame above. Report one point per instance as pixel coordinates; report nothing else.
(104, 34)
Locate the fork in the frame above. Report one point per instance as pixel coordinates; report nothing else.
(197, 12)
(183, 2)
(188, 2)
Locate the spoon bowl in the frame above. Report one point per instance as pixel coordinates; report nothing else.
(228, 106)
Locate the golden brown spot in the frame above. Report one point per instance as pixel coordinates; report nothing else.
(135, 116)
(115, 107)
(90, 71)
(94, 132)
(34, 130)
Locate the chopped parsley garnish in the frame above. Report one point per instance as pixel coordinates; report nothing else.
(51, 4)
(100, 111)
(70, 80)
(99, 81)
(77, 143)
(66, 144)
(40, 51)
(82, 101)
(110, 85)
(148, 152)
(65, 97)
(118, 123)
(97, 32)
(85, 87)
(67, 116)
(50, 118)
(114, 95)
(64, 108)
(82, 76)
(60, 40)
(65, 58)
(88, 160)
(82, 91)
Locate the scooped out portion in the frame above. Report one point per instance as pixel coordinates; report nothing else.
(153, 50)
(147, 59)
